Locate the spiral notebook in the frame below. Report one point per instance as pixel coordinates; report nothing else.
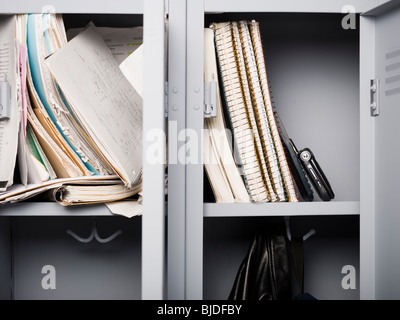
(224, 176)
(262, 72)
(250, 112)
(236, 107)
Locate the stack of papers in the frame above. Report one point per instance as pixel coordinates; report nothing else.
(70, 121)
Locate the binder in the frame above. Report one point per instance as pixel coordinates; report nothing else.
(85, 193)
(17, 192)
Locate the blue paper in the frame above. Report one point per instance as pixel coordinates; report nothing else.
(37, 80)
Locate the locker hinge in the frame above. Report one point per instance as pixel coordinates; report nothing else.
(210, 99)
(166, 99)
(374, 97)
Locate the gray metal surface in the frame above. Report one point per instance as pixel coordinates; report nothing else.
(287, 5)
(281, 209)
(367, 161)
(312, 63)
(60, 6)
(28, 209)
(132, 285)
(5, 258)
(176, 145)
(313, 71)
(194, 168)
(82, 270)
(349, 162)
(153, 228)
(335, 245)
(387, 219)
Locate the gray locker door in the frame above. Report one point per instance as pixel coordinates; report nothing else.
(387, 156)
(153, 223)
(387, 169)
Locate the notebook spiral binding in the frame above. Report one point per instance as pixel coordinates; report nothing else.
(263, 122)
(235, 104)
(283, 164)
(250, 113)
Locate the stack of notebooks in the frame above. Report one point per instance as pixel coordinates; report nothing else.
(248, 156)
(70, 121)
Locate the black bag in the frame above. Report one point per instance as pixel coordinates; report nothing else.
(264, 273)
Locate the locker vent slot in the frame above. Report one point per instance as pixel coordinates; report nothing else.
(392, 80)
(393, 54)
(392, 91)
(393, 66)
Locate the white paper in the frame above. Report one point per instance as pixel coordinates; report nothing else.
(37, 172)
(103, 99)
(121, 41)
(8, 127)
(126, 208)
(132, 68)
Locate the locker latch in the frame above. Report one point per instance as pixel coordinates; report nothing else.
(374, 97)
(210, 99)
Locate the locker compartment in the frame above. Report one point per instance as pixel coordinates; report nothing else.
(312, 64)
(35, 249)
(327, 254)
(48, 263)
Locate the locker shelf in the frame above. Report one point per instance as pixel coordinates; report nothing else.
(31, 209)
(281, 209)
